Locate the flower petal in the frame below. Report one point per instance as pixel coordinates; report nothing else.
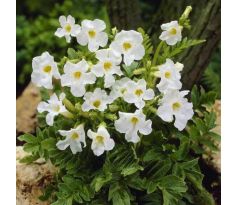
(60, 32)
(62, 144)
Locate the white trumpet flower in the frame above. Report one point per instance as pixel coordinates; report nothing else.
(92, 34)
(170, 76)
(107, 66)
(119, 89)
(76, 77)
(54, 107)
(101, 141)
(175, 104)
(172, 33)
(128, 43)
(68, 28)
(137, 93)
(131, 124)
(96, 100)
(74, 139)
(44, 69)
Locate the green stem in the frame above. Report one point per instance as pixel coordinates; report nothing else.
(157, 53)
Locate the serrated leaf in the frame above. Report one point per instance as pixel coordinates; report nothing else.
(48, 143)
(29, 138)
(72, 53)
(172, 183)
(189, 164)
(195, 97)
(129, 69)
(29, 147)
(183, 150)
(210, 120)
(208, 98)
(29, 159)
(214, 135)
(131, 169)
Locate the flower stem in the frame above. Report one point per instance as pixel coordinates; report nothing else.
(154, 61)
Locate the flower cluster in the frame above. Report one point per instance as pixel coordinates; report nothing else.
(102, 84)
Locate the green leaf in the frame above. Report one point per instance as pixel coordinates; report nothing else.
(168, 198)
(172, 183)
(183, 150)
(29, 147)
(189, 164)
(131, 169)
(118, 195)
(100, 180)
(152, 154)
(153, 199)
(48, 143)
(129, 69)
(214, 136)
(200, 125)
(179, 47)
(29, 159)
(208, 98)
(136, 182)
(210, 120)
(194, 132)
(29, 138)
(72, 53)
(195, 97)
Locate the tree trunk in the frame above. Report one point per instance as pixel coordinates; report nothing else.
(124, 14)
(205, 21)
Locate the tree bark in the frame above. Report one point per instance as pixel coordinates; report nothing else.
(205, 21)
(124, 14)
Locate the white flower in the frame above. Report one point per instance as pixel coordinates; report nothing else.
(54, 107)
(92, 34)
(69, 28)
(137, 93)
(107, 66)
(95, 100)
(131, 123)
(129, 43)
(170, 76)
(76, 77)
(171, 33)
(174, 104)
(74, 138)
(101, 140)
(119, 89)
(44, 68)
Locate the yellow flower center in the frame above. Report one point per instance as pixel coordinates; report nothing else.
(67, 28)
(167, 74)
(107, 65)
(75, 136)
(176, 106)
(172, 31)
(134, 120)
(47, 69)
(91, 33)
(100, 139)
(138, 92)
(56, 108)
(77, 74)
(97, 103)
(127, 46)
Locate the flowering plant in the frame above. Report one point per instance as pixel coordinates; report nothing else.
(113, 118)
